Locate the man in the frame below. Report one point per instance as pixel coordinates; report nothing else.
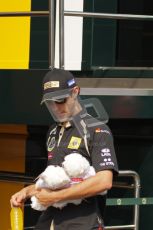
(69, 134)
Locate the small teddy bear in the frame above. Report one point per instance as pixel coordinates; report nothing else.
(54, 177)
(75, 169)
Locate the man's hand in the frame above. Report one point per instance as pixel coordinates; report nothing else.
(18, 199)
(45, 196)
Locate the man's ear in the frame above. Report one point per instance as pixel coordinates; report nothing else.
(75, 91)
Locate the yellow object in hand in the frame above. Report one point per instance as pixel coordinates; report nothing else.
(16, 219)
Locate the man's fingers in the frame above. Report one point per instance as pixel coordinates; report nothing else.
(16, 201)
(15, 204)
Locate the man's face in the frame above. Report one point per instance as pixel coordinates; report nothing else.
(62, 110)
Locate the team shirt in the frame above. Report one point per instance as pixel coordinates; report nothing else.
(99, 151)
(62, 141)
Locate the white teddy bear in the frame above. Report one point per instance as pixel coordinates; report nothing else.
(75, 169)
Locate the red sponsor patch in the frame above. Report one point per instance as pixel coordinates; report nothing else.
(100, 228)
(76, 179)
(97, 130)
(50, 155)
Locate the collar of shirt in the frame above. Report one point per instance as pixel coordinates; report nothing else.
(67, 124)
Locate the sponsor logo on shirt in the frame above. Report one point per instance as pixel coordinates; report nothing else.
(53, 131)
(106, 157)
(50, 155)
(110, 163)
(51, 140)
(51, 144)
(98, 130)
(75, 179)
(107, 161)
(74, 143)
(105, 152)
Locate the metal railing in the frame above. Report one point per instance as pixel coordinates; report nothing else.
(51, 15)
(108, 16)
(62, 13)
(136, 188)
(12, 177)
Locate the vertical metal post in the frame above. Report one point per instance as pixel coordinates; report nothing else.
(136, 207)
(61, 34)
(51, 34)
(136, 178)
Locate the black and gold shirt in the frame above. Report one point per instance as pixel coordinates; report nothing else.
(99, 151)
(64, 140)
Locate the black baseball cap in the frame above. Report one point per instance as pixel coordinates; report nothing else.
(57, 84)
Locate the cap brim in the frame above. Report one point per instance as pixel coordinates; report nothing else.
(55, 96)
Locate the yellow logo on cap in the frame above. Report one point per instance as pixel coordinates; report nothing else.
(51, 84)
(74, 143)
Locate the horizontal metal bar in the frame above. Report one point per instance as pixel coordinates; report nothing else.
(128, 173)
(27, 205)
(105, 68)
(30, 181)
(121, 227)
(16, 178)
(25, 228)
(24, 13)
(131, 173)
(116, 86)
(116, 92)
(108, 16)
(19, 177)
(117, 185)
(124, 201)
(129, 201)
(16, 181)
(79, 14)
